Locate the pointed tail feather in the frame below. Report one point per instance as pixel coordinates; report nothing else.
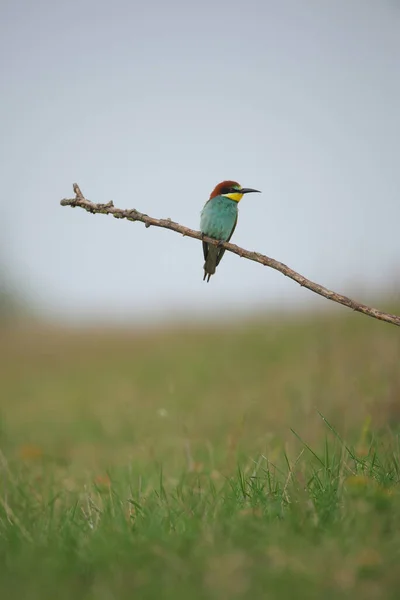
(211, 261)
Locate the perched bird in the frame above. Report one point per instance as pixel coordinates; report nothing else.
(218, 220)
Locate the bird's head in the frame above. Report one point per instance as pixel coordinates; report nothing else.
(232, 190)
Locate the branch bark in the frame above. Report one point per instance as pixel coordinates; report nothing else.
(135, 215)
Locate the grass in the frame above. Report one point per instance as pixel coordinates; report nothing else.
(256, 460)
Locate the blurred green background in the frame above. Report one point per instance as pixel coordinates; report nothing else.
(257, 458)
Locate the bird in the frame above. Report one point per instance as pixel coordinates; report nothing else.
(218, 220)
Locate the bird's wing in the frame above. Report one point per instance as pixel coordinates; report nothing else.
(205, 250)
(205, 245)
(222, 250)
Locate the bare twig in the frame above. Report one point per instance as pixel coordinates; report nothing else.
(135, 215)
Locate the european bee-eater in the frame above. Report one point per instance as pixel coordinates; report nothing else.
(218, 220)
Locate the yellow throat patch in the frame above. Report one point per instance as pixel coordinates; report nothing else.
(236, 196)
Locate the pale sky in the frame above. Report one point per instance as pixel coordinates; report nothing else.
(152, 103)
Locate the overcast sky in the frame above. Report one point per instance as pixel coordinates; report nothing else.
(152, 103)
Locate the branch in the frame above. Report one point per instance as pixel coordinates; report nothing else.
(135, 215)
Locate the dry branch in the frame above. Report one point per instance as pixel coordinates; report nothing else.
(135, 215)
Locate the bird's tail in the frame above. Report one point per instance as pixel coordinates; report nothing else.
(211, 261)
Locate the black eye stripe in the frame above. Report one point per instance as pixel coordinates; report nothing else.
(229, 190)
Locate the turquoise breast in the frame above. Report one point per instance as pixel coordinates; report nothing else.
(218, 217)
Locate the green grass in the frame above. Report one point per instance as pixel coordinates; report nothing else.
(259, 460)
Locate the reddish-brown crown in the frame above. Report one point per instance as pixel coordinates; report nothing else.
(223, 188)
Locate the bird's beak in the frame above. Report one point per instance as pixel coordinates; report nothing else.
(248, 191)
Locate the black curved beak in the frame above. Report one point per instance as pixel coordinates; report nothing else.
(248, 191)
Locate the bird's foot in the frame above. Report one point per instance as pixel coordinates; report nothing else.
(220, 243)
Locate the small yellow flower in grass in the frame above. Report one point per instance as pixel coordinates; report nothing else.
(102, 482)
(197, 467)
(358, 482)
(367, 488)
(368, 561)
(30, 452)
(362, 450)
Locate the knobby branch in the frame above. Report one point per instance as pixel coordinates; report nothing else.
(135, 215)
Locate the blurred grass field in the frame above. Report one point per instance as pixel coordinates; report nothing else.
(256, 459)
